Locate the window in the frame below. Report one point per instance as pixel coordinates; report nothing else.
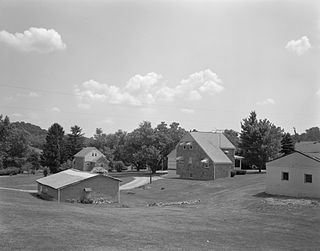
(92, 154)
(190, 175)
(285, 176)
(184, 147)
(308, 178)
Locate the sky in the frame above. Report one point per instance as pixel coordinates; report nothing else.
(203, 64)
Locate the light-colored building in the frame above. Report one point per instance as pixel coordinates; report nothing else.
(73, 184)
(204, 156)
(296, 174)
(88, 158)
(172, 163)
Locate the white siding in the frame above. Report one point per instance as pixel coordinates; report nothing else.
(297, 165)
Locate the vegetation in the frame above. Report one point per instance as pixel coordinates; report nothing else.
(54, 149)
(215, 223)
(144, 147)
(287, 145)
(259, 140)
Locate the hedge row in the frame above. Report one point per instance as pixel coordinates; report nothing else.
(10, 171)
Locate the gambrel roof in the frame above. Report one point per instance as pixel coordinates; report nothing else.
(85, 151)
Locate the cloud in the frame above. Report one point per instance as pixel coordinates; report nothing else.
(186, 110)
(148, 89)
(29, 95)
(299, 46)
(55, 109)
(318, 93)
(107, 121)
(268, 101)
(35, 39)
(18, 115)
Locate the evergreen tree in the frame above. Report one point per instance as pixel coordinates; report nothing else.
(259, 140)
(75, 141)
(54, 149)
(287, 145)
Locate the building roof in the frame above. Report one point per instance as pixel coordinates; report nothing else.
(67, 177)
(210, 143)
(215, 138)
(85, 151)
(308, 155)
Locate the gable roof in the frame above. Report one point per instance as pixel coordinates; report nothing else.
(67, 177)
(307, 155)
(85, 151)
(215, 138)
(210, 143)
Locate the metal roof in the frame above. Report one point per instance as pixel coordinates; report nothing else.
(66, 178)
(211, 143)
(215, 138)
(85, 151)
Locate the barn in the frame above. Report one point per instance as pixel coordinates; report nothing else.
(172, 163)
(73, 184)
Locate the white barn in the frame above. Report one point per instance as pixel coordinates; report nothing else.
(172, 162)
(296, 174)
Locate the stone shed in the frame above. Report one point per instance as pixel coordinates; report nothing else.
(73, 184)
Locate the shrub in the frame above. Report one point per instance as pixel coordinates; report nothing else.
(233, 173)
(241, 172)
(45, 171)
(10, 171)
(119, 166)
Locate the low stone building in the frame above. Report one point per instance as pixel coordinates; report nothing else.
(172, 163)
(88, 158)
(73, 184)
(204, 156)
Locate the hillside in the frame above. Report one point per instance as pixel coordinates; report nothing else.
(35, 134)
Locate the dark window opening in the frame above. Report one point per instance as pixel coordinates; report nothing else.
(308, 178)
(285, 176)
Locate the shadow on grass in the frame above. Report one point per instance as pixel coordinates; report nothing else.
(41, 196)
(283, 197)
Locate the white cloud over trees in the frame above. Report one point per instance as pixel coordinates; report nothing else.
(268, 101)
(300, 46)
(149, 89)
(34, 39)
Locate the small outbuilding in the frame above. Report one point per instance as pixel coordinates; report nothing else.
(296, 174)
(73, 184)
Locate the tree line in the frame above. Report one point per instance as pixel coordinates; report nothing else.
(259, 141)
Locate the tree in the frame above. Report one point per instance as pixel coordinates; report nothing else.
(17, 148)
(5, 128)
(74, 142)
(287, 145)
(233, 136)
(259, 140)
(54, 149)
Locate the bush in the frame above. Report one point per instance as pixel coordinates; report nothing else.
(233, 173)
(241, 172)
(119, 166)
(10, 171)
(45, 171)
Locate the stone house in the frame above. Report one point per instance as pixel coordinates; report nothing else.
(73, 184)
(88, 158)
(204, 156)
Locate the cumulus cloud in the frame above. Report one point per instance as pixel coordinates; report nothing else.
(318, 93)
(299, 46)
(35, 39)
(186, 110)
(268, 101)
(55, 109)
(148, 89)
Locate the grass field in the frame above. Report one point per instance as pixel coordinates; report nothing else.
(232, 214)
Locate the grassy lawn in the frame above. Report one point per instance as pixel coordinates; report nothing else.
(232, 214)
